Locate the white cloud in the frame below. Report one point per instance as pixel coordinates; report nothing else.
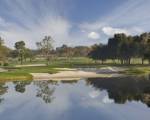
(37, 23)
(31, 22)
(57, 27)
(131, 17)
(94, 94)
(93, 35)
(135, 30)
(111, 31)
(107, 100)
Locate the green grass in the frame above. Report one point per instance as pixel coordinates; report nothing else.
(78, 62)
(23, 73)
(138, 70)
(6, 76)
(41, 69)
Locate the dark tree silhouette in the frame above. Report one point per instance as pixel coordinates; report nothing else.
(44, 91)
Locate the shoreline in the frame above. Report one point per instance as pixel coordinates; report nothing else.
(57, 74)
(75, 74)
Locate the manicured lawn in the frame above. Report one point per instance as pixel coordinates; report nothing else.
(23, 73)
(78, 62)
(138, 70)
(41, 69)
(14, 76)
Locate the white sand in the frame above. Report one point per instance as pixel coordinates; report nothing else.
(68, 75)
(3, 70)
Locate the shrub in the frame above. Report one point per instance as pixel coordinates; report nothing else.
(6, 64)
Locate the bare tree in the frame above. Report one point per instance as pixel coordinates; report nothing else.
(45, 46)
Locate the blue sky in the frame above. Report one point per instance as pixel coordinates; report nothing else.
(72, 22)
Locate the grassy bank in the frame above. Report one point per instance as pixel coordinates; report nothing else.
(23, 73)
(137, 70)
(9, 76)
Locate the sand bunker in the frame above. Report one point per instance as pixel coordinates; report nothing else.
(3, 70)
(72, 75)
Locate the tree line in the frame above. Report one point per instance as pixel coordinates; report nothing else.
(120, 47)
(44, 49)
(123, 48)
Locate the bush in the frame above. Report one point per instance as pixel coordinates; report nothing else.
(5, 64)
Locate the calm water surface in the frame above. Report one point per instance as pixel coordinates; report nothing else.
(123, 98)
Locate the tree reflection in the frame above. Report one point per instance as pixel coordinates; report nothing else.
(20, 86)
(69, 81)
(124, 88)
(44, 91)
(3, 90)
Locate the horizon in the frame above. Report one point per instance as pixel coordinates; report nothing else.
(71, 22)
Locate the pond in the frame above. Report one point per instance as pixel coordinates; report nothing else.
(119, 98)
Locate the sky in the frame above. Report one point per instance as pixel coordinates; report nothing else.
(71, 22)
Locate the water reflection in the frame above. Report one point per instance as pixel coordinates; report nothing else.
(124, 89)
(69, 82)
(3, 90)
(120, 89)
(122, 98)
(20, 86)
(44, 91)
